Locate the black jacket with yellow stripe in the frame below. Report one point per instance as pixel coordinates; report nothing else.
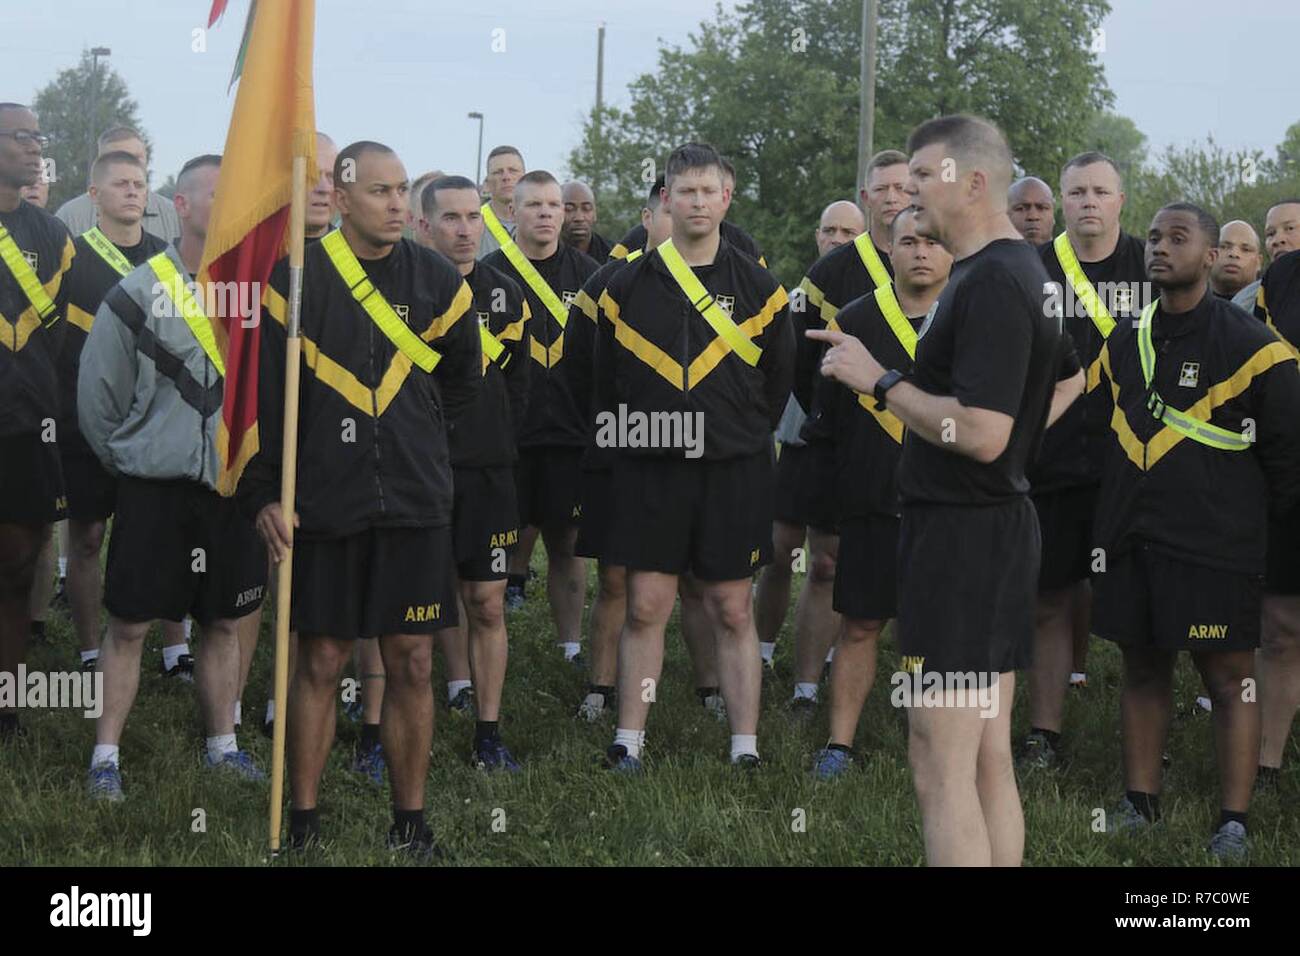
(554, 417)
(656, 353)
(88, 281)
(29, 348)
(485, 435)
(1203, 505)
(580, 358)
(1277, 303)
(372, 426)
(637, 237)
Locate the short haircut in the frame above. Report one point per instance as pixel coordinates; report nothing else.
(1090, 158)
(349, 154)
(504, 151)
(118, 134)
(972, 139)
(429, 198)
(198, 162)
(728, 167)
(886, 157)
(893, 225)
(1208, 225)
(325, 136)
(100, 166)
(538, 177)
(1271, 207)
(423, 180)
(653, 198)
(691, 156)
(1027, 180)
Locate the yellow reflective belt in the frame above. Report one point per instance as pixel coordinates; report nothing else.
(634, 255)
(373, 301)
(179, 292)
(871, 259)
(1187, 426)
(527, 271)
(491, 347)
(1083, 289)
(107, 251)
(706, 305)
(22, 272)
(893, 313)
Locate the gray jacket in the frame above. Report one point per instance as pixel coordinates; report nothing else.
(1245, 299)
(148, 397)
(792, 422)
(160, 218)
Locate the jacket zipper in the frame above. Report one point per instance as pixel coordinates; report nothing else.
(374, 406)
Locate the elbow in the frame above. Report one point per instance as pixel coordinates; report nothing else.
(989, 450)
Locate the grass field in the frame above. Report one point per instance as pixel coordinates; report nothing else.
(690, 808)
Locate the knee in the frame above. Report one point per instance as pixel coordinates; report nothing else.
(1147, 675)
(822, 569)
(733, 617)
(484, 611)
(860, 632)
(1280, 634)
(1225, 687)
(644, 611)
(613, 584)
(413, 665)
(128, 632)
(321, 660)
(88, 541)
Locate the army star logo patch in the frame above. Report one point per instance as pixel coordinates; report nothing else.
(727, 303)
(1190, 374)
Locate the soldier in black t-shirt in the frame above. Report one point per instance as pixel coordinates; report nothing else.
(993, 369)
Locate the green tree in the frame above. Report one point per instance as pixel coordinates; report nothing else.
(63, 106)
(774, 85)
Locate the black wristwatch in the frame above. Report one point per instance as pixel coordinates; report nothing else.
(887, 381)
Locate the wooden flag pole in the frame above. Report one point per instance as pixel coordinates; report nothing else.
(288, 488)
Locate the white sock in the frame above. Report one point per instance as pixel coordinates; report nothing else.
(1205, 703)
(765, 650)
(830, 655)
(104, 753)
(89, 656)
(239, 712)
(742, 744)
(571, 649)
(270, 711)
(173, 654)
(221, 745)
(1078, 677)
(63, 573)
(186, 626)
(633, 740)
(805, 690)
(595, 699)
(454, 687)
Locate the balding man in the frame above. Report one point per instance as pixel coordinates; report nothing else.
(579, 229)
(1238, 262)
(1032, 209)
(841, 223)
(160, 219)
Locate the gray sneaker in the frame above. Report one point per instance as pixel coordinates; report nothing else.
(1125, 819)
(1229, 843)
(1037, 753)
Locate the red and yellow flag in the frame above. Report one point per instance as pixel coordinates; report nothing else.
(274, 120)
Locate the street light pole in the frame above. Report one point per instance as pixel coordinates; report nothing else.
(867, 95)
(478, 163)
(95, 54)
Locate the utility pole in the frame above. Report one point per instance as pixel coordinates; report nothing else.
(91, 147)
(478, 163)
(867, 97)
(600, 103)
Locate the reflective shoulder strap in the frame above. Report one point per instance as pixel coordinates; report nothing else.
(22, 272)
(1083, 289)
(706, 305)
(374, 303)
(107, 251)
(871, 259)
(893, 313)
(492, 348)
(634, 255)
(1188, 426)
(179, 292)
(527, 271)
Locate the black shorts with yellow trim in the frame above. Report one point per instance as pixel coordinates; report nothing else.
(674, 515)
(31, 481)
(1282, 572)
(597, 514)
(485, 522)
(91, 490)
(179, 548)
(375, 582)
(1146, 599)
(548, 482)
(967, 586)
(1065, 518)
(866, 568)
(805, 480)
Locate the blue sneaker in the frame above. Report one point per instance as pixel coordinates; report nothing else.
(1229, 843)
(1127, 819)
(237, 762)
(617, 760)
(829, 763)
(515, 597)
(353, 711)
(104, 782)
(493, 755)
(370, 764)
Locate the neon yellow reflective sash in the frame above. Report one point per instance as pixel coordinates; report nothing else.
(179, 292)
(1187, 426)
(706, 305)
(527, 271)
(491, 347)
(107, 251)
(1083, 289)
(893, 313)
(871, 259)
(22, 272)
(373, 301)
(634, 255)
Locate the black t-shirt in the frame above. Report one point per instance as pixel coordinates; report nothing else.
(1278, 300)
(992, 342)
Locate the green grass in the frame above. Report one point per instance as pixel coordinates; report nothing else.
(690, 807)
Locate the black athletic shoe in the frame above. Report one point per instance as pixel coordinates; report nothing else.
(182, 670)
(515, 597)
(463, 702)
(418, 846)
(1037, 753)
(747, 762)
(802, 709)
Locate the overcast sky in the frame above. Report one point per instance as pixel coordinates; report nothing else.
(407, 71)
